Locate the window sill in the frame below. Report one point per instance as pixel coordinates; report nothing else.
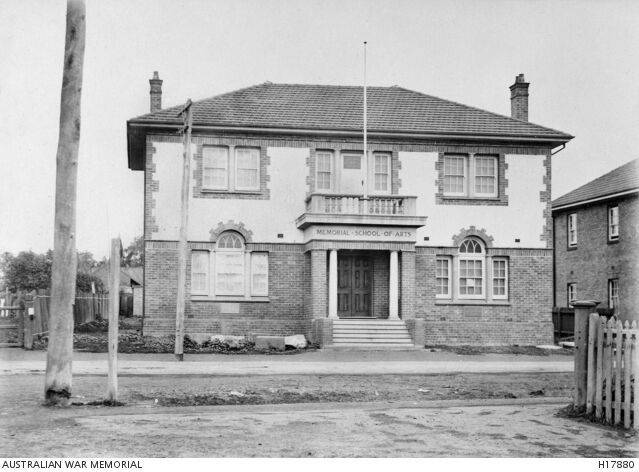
(613, 241)
(466, 198)
(571, 248)
(206, 298)
(232, 192)
(458, 302)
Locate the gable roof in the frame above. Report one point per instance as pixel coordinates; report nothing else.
(128, 275)
(623, 179)
(392, 111)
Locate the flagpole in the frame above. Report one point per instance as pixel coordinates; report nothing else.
(365, 182)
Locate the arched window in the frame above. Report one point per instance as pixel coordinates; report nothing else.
(470, 246)
(230, 240)
(472, 263)
(230, 264)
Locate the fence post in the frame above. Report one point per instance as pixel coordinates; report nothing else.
(114, 309)
(27, 314)
(583, 308)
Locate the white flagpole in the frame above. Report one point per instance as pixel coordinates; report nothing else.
(365, 182)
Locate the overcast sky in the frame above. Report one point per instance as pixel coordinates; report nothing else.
(581, 59)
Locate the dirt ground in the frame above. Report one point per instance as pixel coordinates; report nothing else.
(305, 415)
(20, 392)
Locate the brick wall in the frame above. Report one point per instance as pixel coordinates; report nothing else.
(380, 277)
(407, 289)
(318, 302)
(595, 261)
(284, 314)
(525, 319)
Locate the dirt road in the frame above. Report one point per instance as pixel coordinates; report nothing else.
(350, 416)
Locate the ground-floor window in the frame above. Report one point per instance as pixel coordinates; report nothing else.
(613, 295)
(442, 277)
(230, 270)
(471, 274)
(571, 293)
(500, 278)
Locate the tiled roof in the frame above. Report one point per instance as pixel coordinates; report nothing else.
(621, 179)
(340, 108)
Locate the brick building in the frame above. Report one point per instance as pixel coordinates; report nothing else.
(441, 233)
(596, 229)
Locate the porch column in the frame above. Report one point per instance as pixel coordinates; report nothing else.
(393, 287)
(332, 284)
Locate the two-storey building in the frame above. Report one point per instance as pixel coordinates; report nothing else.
(597, 242)
(441, 230)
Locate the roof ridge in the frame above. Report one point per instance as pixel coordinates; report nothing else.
(482, 110)
(204, 99)
(566, 197)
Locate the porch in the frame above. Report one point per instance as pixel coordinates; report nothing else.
(364, 298)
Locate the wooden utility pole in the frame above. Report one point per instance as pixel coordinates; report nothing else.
(114, 311)
(183, 249)
(57, 388)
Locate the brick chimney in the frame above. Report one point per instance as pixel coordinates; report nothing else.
(155, 92)
(519, 98)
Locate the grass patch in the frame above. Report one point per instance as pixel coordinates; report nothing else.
(469, 350)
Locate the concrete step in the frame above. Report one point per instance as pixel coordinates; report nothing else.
(372, 335)
(354, 342)
(372, 347)
(373, 339)
(371, 321)
(369, 328)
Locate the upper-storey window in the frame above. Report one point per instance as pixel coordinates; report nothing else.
(247, 168)
(382, 172)
(471, 175)
(613, 223)
(215, 167)
(485, 176)
(455, 175)
(572, 230)
(324, 170)
(230, 169)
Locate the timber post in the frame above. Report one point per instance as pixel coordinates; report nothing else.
(114, 310)
(58, 376)
(183, 248)
(583, 309)
(27, 316)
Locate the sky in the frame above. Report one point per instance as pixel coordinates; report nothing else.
(581, 59)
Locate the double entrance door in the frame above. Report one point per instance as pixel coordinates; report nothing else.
(353, 286)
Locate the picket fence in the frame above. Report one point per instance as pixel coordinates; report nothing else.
(613, 370)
